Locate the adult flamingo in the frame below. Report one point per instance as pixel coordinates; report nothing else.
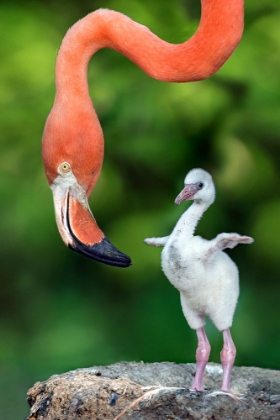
(73, 140)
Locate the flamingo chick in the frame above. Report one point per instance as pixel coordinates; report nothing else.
(205, 276)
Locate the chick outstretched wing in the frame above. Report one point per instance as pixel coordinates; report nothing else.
(226, 240)
(156, 241)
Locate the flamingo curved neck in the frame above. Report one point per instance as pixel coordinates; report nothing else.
(219, 33)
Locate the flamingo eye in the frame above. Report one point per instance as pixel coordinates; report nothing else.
(64, 167)
(200, 185)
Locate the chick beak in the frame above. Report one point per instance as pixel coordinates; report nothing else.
(187, 193)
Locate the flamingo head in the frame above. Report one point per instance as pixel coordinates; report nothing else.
(72, 162)
(199, 187)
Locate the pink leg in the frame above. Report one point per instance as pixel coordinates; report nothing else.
(202, 356)
(227, 359)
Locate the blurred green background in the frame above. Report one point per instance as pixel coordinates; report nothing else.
(59, 310)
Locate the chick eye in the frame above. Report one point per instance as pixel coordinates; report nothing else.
(64, 167)
(200, 185)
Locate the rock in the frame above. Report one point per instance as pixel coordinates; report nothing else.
(142, 391)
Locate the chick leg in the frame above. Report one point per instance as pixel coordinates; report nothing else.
(227, 359)
(202, 356)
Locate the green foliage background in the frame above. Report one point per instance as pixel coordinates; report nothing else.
(59, 310)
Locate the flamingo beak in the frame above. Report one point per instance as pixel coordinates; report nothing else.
(187, 193)
(79, 229)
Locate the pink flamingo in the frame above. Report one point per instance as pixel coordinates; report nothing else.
(73, 140)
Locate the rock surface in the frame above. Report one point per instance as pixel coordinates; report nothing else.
(155, 391)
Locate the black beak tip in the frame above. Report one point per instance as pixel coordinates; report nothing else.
(104, 252)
